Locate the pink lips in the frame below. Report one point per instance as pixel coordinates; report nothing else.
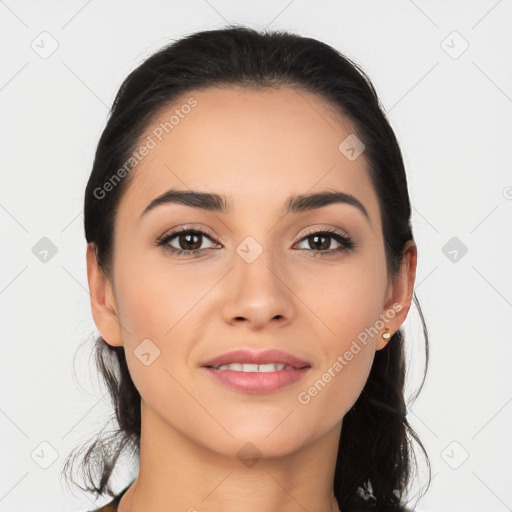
(250, 357)
(257, 382)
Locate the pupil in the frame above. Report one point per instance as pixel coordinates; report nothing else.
(187, 238)
(323, 246)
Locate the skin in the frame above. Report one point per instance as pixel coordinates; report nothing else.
(256, 147)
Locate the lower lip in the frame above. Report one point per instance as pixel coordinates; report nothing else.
(257, 382)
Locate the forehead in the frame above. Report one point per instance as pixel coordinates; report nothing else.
(254, 146)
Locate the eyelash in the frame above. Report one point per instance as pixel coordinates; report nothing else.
(346, 243)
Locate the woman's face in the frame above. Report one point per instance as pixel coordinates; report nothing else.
(257, 282)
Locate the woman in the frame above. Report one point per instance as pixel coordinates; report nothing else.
(251, 261)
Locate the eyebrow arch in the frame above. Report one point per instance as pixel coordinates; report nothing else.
(218, 203)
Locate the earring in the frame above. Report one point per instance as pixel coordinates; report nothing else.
(386, 335)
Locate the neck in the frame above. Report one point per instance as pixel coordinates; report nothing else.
(176, 473)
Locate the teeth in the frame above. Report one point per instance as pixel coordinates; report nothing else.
(239, 367)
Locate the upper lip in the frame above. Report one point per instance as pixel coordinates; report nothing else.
(271, 355)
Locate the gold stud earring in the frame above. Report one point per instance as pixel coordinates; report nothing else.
(386, 335)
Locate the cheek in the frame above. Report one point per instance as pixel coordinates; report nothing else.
(348, 353)
(348, 304)
(159, 305)
(154, 299)
(349, 300)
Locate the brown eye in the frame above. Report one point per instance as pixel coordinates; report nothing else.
(320, 242)
(315, 242)
(188, 242)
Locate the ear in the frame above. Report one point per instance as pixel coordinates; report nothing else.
(399, 296)
(103, 307)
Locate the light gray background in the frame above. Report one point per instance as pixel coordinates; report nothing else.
(451, 112)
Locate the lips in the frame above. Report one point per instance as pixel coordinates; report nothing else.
(263, 357)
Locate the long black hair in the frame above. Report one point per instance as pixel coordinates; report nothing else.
(375, 449)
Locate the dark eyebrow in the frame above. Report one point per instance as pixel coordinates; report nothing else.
(218, 203)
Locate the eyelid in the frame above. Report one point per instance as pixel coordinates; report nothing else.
(187, 228)
(330, 229)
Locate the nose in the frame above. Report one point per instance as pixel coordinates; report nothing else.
(258, 293)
